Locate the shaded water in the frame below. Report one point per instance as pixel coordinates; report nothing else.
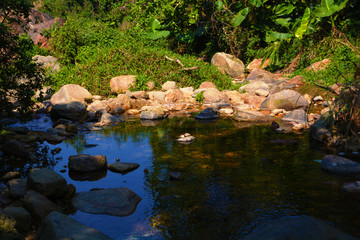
(235, 179)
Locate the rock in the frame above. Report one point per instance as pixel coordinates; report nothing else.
(320, 65)
(261, 75)
(121, 101)
(262, 92)
(150, 86)
(21, 216)
(123, 167)
(168, 85)
(352, 187)
(122, 83)
(229, 64)
(10, 175)
(207, 85)
(45, 61)
(226, 111)
(298, 127)
(47, 182)
(152, 113)
(174, 96)
(75, 111)
(157, 97)
(15, 148)
(257, 63)
(340, 165)
(298, 116)
(297, 80)
(212, 95)
(175, 175)
(274, 126)
(57, 226)
(253, 86)
(72, 128)
(254, 101)
(285, 99)
(208, 114)
(298, 228)
(87, 163)
(113, 201)
(132, 112)
(45, 93)
(97, 106)
(139, 103)
(17, 188)
(19, 130)
(70, 93)
(38, 205)
(108, 119)
(140, 95)
(234, 97)
(185, 138)
(251, 116)
(321, 129)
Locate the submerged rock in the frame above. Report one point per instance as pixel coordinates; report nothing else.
(123, 167)
(113, 201)
(298, 228)
(57, 226)
(340, 165)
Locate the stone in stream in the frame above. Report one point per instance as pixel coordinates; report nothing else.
(251, 116)
(38, 205)
(21, 216)
(298, 228)
(152, 113)
(285, 99)
(57, 226)
(10, 175)
(75, 111)
(340, 165)
(351, 187)
(113, 201)
(208, 114)
(47, 182)
(17, 188)
(87, 163)
(123, 167)
(298, 116)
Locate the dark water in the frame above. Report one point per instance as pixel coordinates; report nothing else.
(235, 179)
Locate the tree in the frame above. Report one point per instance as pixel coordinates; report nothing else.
(20, 77)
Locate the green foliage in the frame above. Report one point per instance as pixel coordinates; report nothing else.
(19, 75)
(200, 97)
(153, 30)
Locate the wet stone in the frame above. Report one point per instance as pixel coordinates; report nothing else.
(17, 188)
(10, 175)
(123, 167)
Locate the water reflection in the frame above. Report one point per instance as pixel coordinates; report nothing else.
(234, 179)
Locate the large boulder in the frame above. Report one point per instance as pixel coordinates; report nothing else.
(47, 182)
(75, 111)
(113, 201)
(122, 83)
(213, 95)
(69, 93)
(229, 64)
(251, 116)
(234, 97)
(298, 116)
(87, 163)
(298, 228)
(340, 165)
(121, 101)
(285, 99)
(38, 205)
(57, 226)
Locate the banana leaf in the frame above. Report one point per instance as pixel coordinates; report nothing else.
(276, 36)
(240, 16)
(329, 7)
(304, 24)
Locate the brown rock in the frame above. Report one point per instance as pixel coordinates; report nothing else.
(297, 80)
(207, 85)
(254, 101)
(174, 96)
(140, 95)
(122, 83)
(229, 64)
(69, 93)
(38, 205)
(138, 103)
(261, 75)
(212, 95)
(168, 85)
(122, 100)
(321, 65)
(235, 97)
(256, 63)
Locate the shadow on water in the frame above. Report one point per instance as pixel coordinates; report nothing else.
(234, 179)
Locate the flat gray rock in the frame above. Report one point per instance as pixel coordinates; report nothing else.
(57, 226)
(17, 187)
(113, 201)
(38, 205)
(123, 167)
(47, 182)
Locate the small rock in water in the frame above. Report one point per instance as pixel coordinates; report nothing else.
(185, 138)
(352, 187)
(117, 159)
(274, 126)
(123, 167)
(175, 175)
